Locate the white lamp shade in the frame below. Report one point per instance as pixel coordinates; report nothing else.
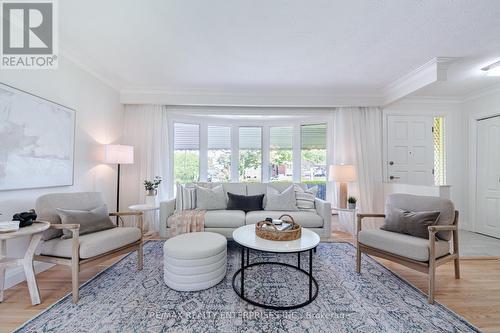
(342, 173)
(118, 154)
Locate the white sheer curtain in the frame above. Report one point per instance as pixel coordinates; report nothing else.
(145, 128)
(357, 140)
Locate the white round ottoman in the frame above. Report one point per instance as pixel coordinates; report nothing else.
(195, 261)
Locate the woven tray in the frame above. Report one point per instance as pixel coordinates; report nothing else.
(274, 234)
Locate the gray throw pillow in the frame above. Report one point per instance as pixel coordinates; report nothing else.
(210, 199)
(281, 201)
(410, 223)
(89, 220)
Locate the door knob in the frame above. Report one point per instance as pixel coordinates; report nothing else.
(393, 177)
(391, 163)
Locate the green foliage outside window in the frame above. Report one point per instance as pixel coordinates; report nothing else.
(314, 156)
(186, 166)
(281, 156)
(219, 165)
(250, 161)
(281, 165)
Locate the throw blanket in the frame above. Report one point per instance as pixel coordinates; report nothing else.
(187, 221)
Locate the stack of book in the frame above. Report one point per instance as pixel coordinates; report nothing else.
(280, 225)
(9, 226)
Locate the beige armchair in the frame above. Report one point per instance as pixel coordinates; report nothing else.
(420, 254)
(81, 251)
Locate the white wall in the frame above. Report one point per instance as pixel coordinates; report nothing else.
(474, 108)
(455, 146)
(99, 117)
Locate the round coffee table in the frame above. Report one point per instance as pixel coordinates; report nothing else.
(245, 236)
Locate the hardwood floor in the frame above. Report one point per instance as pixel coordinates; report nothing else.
(476, 296)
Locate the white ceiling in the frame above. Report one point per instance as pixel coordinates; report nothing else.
(320, 47)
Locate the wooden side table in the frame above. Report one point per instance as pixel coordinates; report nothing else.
(34, 231)
(347, 219)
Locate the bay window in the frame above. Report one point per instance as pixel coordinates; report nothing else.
(250, 154)
(313, 156)
(219, 154)
(186, 153)
(250, 151)
(281, 152)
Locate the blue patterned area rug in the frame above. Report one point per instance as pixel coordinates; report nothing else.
(120, 299)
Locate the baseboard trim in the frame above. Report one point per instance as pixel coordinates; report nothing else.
(16, 275)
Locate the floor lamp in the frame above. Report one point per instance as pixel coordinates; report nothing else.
(118, 154)
(342, 174)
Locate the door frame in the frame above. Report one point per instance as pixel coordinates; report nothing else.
(473, 142)
(411, 164)
(419, 111)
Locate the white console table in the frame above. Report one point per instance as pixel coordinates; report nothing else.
(347, 219)
(150, 212)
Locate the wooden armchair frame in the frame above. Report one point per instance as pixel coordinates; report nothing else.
(428, 267)
(76, 264)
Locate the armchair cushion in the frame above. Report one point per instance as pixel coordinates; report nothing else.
(93, 244)
(410, 223)
(89, 220)
(402, 245)
(47, 204)
(418, 203)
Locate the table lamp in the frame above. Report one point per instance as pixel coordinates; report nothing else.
(118, 154)
(343, 174)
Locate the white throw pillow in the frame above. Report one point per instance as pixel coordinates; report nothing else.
(210, 199)
(305, 198)
(281, 201)
(185, 197)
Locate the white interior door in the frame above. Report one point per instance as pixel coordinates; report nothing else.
(488, 177)
(410, 150)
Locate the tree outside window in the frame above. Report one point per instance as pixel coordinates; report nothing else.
(219, 154)
(250, 154)
(281, 153)
(186, 153)
(313, 156)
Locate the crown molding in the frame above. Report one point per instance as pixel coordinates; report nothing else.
(432, 71)
(435, 99)
(205, 98)
(92, 70)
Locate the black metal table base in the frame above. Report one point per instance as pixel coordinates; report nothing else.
(313, 291)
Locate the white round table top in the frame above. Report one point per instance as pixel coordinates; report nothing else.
(35, 228)
(246, 236)
(143, 207)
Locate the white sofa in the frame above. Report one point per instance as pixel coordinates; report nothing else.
(226, 221)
